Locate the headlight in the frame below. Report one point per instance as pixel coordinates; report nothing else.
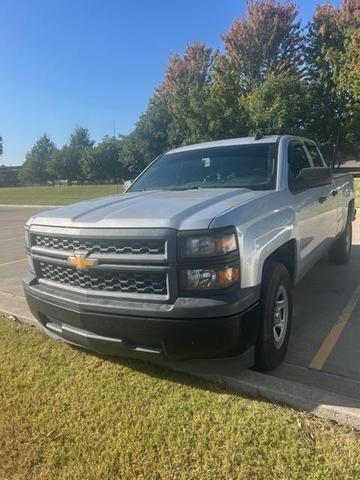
(211, 244)
(209, 278)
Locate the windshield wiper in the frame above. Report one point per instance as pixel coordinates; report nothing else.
(194, 187)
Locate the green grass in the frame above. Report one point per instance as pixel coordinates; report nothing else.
(54, 195)
(64, 195)
(67, 414)
(357, 192)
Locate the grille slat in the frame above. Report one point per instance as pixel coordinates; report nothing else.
(153, 283)
(106, 246)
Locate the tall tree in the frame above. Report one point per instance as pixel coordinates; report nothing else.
(268, 40)
(35, 168)
(281, 105)
(1, 145)
(185, 89)
(349, 76)
(265, 43)
(131, 156)
(331, 39)
(149, 139)
(80, 138)
(66, 162)
(102, 163)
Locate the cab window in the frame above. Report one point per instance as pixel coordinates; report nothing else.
(315, 156)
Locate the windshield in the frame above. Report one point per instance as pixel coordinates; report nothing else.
(248, 166)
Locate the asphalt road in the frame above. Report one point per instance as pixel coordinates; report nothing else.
(325, 341)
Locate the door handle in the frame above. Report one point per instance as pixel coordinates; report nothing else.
(334, 193)
(322, 199)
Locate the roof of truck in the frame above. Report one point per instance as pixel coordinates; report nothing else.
(226, 143)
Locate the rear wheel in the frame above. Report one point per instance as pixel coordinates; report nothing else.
(276, 316)
(340, 250)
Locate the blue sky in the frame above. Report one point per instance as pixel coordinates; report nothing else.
(89, 62)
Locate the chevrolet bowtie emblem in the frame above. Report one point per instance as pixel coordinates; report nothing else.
(81, 262)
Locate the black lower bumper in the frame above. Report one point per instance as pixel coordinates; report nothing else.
(228, 339)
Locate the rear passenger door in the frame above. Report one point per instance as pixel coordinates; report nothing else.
(328, 196)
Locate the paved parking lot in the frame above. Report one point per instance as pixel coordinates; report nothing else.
(325, 342)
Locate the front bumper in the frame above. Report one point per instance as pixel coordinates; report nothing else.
(184, 338)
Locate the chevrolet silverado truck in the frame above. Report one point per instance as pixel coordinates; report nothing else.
(195, 263)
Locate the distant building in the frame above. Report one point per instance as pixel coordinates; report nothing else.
(9, 176)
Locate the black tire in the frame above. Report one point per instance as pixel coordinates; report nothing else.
(269, 353)
(340, 250)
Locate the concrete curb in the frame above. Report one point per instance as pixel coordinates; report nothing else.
(339, 408)
(11, 205)
(20, 318)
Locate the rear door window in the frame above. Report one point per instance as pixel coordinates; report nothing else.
(315, 156)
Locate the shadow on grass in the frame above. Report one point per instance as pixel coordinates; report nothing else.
(158, 371)
(324, 281)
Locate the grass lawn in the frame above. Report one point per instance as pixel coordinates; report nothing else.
(357, 192)
(54, 195)
(67, 414)
(64, 195)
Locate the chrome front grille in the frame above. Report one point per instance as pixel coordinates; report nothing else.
(113, 246)
(127, 281)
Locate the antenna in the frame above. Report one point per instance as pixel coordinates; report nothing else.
(114, 128)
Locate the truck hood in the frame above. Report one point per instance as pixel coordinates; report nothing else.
(181, 210)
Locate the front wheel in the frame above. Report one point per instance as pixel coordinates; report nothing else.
(276, 317)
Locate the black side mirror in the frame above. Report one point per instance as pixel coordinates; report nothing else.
(314, 177)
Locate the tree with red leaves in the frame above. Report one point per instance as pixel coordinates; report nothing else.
(263, 49)
(267, 41)
(185, 90)
(270, 77)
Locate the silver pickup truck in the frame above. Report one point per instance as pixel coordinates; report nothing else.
(195, 263)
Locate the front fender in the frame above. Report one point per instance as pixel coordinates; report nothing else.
(259, 239)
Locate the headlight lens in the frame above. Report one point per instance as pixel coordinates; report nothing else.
(209, 278)
(208, 245)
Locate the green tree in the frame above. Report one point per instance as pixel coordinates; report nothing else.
(349, 75)
(149, 139)
(1, 145)
(267, 42)
(185, 90)
(66, 162)
(177, 112)
(102, 163)
(281, 105)
(80, 138)
(131, 157)
(228, 117)
(35, 167)
(331, 46)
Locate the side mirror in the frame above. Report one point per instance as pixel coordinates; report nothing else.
(314, 177)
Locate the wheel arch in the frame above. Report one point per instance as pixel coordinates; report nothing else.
(286, 254)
